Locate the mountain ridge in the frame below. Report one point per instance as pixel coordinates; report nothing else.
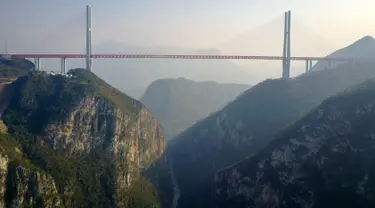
(91, 141)
(316, 156)
(179, 103)
(248, 123)
(363, 50)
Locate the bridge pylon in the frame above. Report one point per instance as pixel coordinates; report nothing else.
(88, 38)
(286, 46)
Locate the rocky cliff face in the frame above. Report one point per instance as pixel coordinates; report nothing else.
(95, 124)
(247, 124)
(92, 140)
(21, 183)
(25, 187)
(323, 160)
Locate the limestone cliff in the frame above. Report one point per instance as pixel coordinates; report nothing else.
(93, 140)
(324, 160)
(21, 183)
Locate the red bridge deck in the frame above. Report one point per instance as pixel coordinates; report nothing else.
(156, 56)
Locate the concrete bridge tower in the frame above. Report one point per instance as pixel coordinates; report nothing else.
(286, 48)
(88, 38)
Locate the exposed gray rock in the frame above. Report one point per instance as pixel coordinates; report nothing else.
(323, 160)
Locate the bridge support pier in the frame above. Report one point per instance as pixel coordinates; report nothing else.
(63, 65)
(329, 64)
(308, 65)
(37, 64)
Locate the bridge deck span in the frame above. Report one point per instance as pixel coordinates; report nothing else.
(157, 56)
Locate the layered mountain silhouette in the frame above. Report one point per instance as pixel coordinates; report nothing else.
(363, 50)
(179, 103)
(248, 123)
(326, 159)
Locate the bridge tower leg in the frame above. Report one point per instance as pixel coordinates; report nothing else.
(286, 48)
(288, 51)
(307, 65)
(311, 64)
(63, 65)
(88, 38)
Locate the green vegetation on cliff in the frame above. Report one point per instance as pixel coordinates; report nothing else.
(18, 174)
(14, 67)
(11, 148)
(46, 98)
(40, 100)
(121, 100)
(325, 159)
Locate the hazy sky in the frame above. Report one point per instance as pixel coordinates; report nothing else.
(188, 23)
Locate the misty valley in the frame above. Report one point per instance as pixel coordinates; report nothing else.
(177, 127)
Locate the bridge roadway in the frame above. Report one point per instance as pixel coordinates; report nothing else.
(162, 56)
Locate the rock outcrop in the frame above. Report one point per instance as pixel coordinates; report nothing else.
(21, 183)
(323, 160)
(25, 187)
(91, 140)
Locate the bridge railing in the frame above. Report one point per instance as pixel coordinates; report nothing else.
(173, 56)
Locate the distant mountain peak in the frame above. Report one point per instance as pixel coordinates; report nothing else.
(367, 37)
(363, 48)
(365, 40)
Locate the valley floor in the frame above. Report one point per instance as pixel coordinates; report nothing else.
(176, 188)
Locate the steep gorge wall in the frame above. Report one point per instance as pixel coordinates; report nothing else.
(98, 125)
(323, 160)
(21, 183)
(94, 149)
